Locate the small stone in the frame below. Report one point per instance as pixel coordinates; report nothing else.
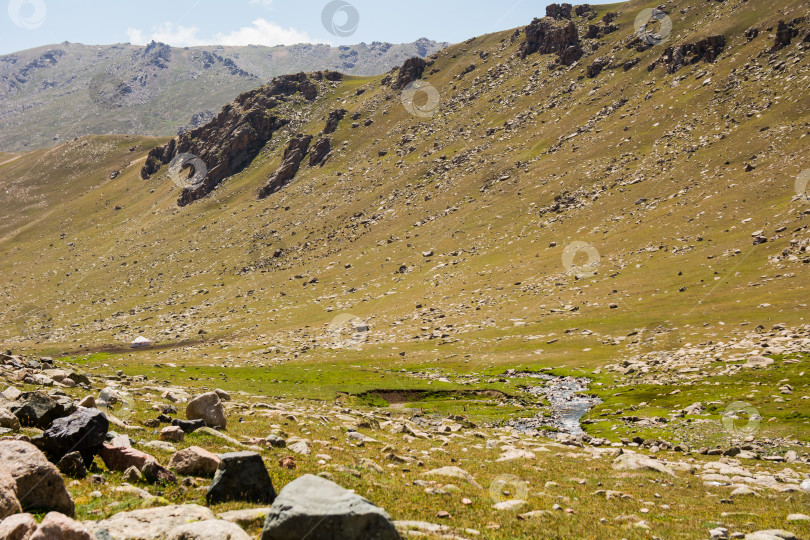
(132, 474)
(172, 434)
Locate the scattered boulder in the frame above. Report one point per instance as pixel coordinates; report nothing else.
(8, 419)
(73, 465)
(38, 482)
(57, 526)
(454, 472)
(120, 458)
(311, 506)
(633, 462)
(84, 431)
(148, 523)
(18, 527)
(241, 476)
(155, 473)
(189, 426)
(212, 529)
(39, 410)
(208, 408)
(194, 461)
(172, 434)
(9, 504)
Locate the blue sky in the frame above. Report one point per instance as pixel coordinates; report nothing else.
(31, 23)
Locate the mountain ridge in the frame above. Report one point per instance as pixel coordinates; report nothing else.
(118, 88)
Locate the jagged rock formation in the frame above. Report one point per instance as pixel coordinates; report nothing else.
(320, 152)
(785, 32)
(544, 37)
(559, 12)
(706, 50)
(231, 140)
(332, 122)
(412, 69)
(293, 156)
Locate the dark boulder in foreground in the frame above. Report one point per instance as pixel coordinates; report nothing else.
(314, 507)
(241, 476)
(84, 431)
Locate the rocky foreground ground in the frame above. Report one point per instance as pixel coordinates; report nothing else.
(116, 456)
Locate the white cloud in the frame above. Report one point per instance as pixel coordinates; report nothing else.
(260, 32)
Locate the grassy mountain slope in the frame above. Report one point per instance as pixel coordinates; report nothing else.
(446, 236)
(70, 90)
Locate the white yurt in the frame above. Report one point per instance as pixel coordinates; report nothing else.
(140, 341)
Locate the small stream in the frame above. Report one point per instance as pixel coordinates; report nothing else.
(568, 403)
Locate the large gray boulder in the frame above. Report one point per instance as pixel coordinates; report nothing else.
(149, 523)
(209, 530)
(84, 431)
(314, 507)
(9, 504)
(207, 407)
(241, 476)
(38, 482)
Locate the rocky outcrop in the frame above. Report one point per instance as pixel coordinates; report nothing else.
(332, 121)
(706, 50)
(411, 70)
(559, 12)
(583, 9)
(545, 37)
(229, 142)
(293, 156)
(319, 152)
(785, 32)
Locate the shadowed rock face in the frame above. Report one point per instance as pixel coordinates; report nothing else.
(332, 122)
(320, 151)
(545, 37)
(559, 12)
(412, 69)
(229, 142)
(293, 156)
(706, 50)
